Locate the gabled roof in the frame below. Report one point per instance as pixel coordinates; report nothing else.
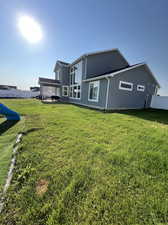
(147, 67)
(97, 53)
(60, 63)
(64, 63)
(42, 79)
(114, 73)
(3, 86)
(89, 54)
(47, 81)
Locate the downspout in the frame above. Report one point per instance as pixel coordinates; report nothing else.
(85, 66)
(107, 92)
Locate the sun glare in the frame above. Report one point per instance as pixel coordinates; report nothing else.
(30, 29)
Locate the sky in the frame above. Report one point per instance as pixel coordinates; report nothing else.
(138, 28)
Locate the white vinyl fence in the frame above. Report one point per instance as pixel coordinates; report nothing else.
(159, 102)
(17, 94)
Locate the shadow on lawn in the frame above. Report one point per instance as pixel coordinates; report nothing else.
(155, 115)
(6, 125)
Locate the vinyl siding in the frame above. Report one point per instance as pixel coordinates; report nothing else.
(99, 64)
(64, 76)
(121, 99)
(117, 99)
(84, 95)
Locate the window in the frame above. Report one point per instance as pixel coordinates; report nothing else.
(140, 88)
(93, 91)
(76, 73)
(71, 78)
(71, 92)
(75, 91)
(125, 86)
(75, 81)
(65, 91)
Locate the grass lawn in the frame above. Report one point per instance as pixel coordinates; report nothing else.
(7, 139)
(79, 166)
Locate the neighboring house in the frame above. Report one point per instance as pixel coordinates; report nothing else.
(7, 87)
(102, 80)
(16, 93)
(34, 89)
(49, 87)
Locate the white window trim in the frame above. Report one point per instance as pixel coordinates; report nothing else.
(97, 99)
(126, 89)
(142, 88)
(65, 86)
(73, 84)
(73, 74)
(70, 91)
(77, 89)
(71, 78)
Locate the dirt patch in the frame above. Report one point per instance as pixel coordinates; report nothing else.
(41, 187)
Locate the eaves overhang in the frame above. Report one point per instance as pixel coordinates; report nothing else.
(121, 71)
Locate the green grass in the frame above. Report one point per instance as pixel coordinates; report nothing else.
(7, 140)
(101, 168)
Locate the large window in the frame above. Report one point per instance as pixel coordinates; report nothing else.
(76, 73)
(65, 91)
(125, 86)
(72, 76)
(94, 91)
(75, 91)
(140, 88)
(71, 92)
(75, 81)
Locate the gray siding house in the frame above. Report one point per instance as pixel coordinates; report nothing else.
(102, 80)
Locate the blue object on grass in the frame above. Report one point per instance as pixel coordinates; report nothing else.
(10, 115)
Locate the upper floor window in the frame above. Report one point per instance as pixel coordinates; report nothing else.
(140, 88)
(76, 73)
(75, 81)
(94, 91)
(126, 86)
(72, 77)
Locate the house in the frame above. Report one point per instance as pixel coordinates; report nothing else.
(102, 80)
(7, 91)
(34, 89)
(7, 87)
